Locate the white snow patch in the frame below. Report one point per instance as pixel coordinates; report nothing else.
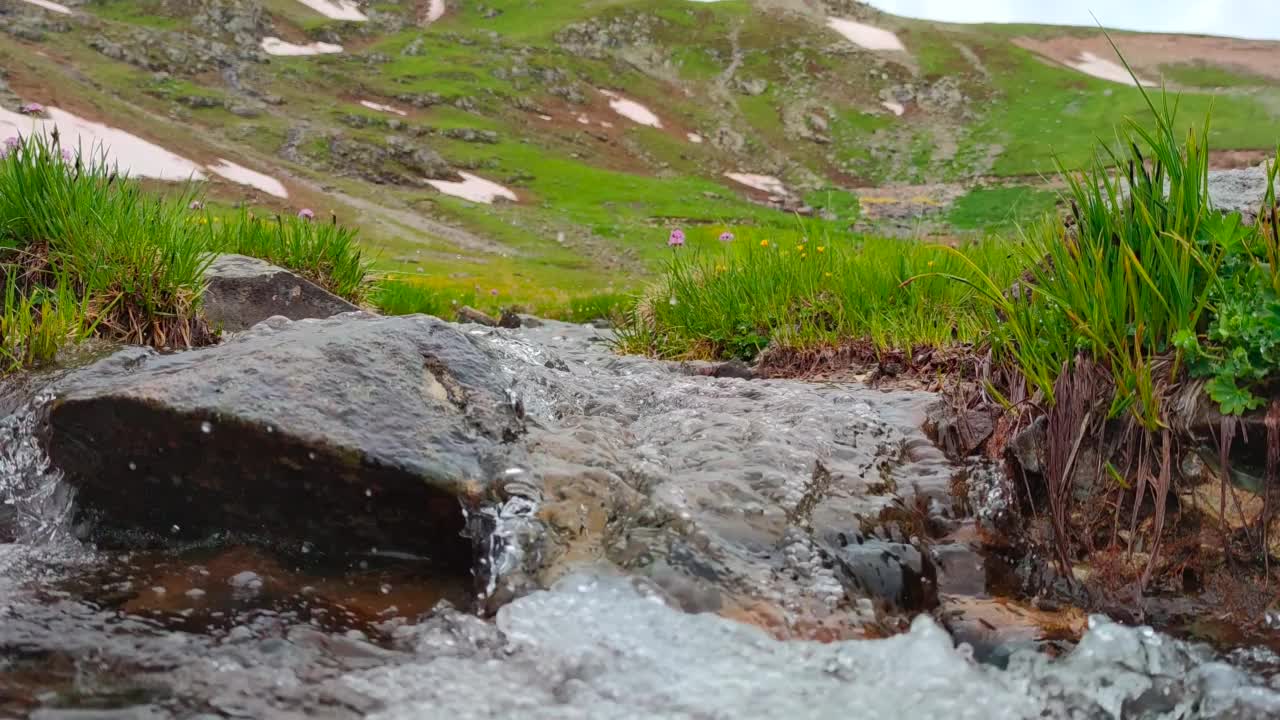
(243, 175)
(894, 107)
(763, 183)
(276, 46)
(584, 119)
(1091, 64)
(475, 189)
(55, 7)
(606, 123)
(545, 117)
(631, 110)
(130, 154)
(694, 138)
(435, 11)
(383, 108)
(336, 9)
(867, 36)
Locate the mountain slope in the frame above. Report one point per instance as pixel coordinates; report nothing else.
(608, 121)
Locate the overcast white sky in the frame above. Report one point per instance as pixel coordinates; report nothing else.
(1238, 18)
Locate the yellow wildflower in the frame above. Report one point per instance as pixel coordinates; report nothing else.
(826, 274)
(821, 249)
(764, 243)
(930, 263)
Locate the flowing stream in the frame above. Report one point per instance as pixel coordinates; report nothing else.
(699, 537)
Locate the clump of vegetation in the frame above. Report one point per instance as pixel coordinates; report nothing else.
(730, 295)
(85, 251)
(323, 252)
(1145, 289)
(396, 296)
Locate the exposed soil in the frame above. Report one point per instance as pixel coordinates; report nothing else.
(1149, 52)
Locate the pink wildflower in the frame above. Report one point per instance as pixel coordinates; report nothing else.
(306, 214)
(67, 156)
(32, 109)
(726, 236)
(494, 292)
(676, 239)
(195, 205)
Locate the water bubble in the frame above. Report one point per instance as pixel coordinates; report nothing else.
(206, 427)
(306, 548)
(175, 529)
(195, 593)
(385, 589)
(368, 492)
(133, 465)
(311, 456)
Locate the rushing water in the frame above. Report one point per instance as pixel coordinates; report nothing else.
(675, 502)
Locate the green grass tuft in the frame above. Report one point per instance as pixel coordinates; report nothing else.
(806, 288)
(85, 251)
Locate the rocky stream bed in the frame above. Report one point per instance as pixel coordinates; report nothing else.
(359, 516)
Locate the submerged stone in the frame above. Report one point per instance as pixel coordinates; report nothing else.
(355, 432)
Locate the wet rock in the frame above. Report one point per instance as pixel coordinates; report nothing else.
(468, 314)
(509, 319)
(351, 432)
(896, 574)
(961, 434)
(1027, 447)
(141, 712)
(243, 291)
(725, 369)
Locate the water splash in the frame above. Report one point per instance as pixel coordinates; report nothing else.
(31, 489)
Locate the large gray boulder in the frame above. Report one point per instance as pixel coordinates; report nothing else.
(351, 433)
(243, 291)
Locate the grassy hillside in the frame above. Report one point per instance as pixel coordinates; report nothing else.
(509, 90)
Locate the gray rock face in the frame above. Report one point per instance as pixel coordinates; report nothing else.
(244, 291)
(1240, 190)
(354, 432)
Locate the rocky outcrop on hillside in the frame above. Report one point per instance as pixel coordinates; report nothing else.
(399, 161)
